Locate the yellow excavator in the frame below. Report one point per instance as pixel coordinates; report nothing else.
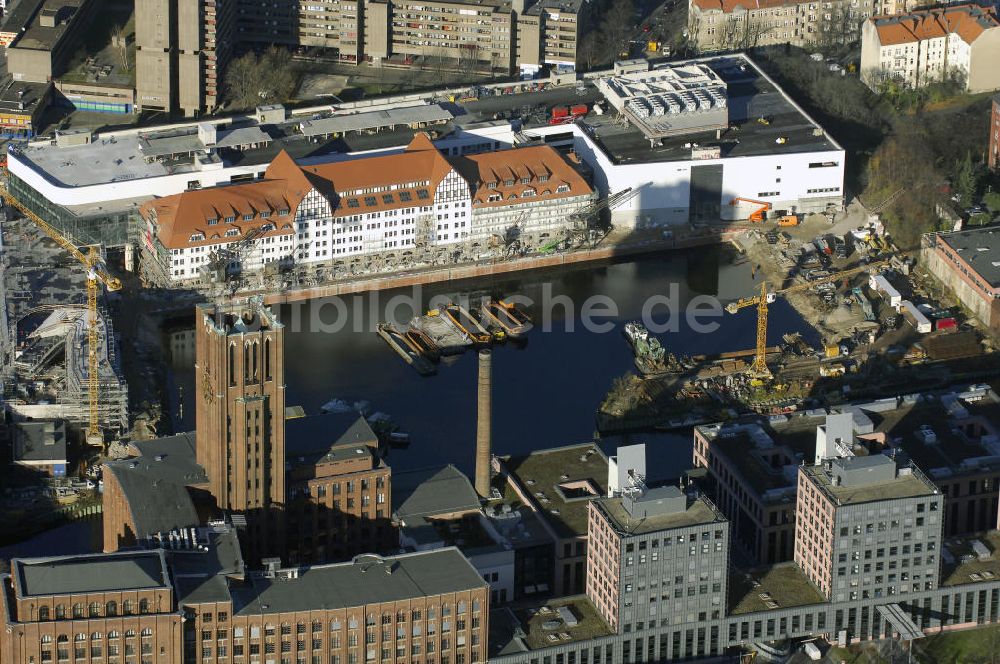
(758, 368)
(96, 273)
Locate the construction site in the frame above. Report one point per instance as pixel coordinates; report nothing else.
(49, 334)
(883, 323)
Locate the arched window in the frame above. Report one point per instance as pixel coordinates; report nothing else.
(232, 364)
(46, 638)
(111, 608)
(246, 362)
(62, 638)
(43, 613)
(267, 358)
(95, 610)
(143, 605)
(60, 612)
(127, 607)
(112, 634)
(461, 606)
(254, 375)
(146, 631)
(475, 605)
(78, 610)
(96, 636)
(334, 625)
(80, 637)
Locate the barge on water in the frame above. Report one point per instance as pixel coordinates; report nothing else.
(449, 339)
(424, 344)
(465, 322)
(398, 342)
(506, 317)
(651, 358)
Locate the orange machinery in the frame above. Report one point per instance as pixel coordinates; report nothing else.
(757, 216)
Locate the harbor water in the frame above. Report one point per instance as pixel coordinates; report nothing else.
(545, 393)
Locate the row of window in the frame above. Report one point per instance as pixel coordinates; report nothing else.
(93, 610)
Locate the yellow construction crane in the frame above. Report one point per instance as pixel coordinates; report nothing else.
(95, 273)
(758, 368)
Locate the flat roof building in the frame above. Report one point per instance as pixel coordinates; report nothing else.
(639, 563)
(856, 517)
(968, 263)
(558, 484)
(41, 446)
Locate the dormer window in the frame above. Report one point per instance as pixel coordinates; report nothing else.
(508, 183)
(491, 185)
(562, 189)
(248, 217)
(283, 213)
(265, 214)
(527, 192)
(213, 221)
(232, 232)
(405, 196)
(494, 198)
(196, 237)
(230, 219)
(526, 180)
(543, 178)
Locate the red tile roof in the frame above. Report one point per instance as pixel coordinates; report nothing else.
(358, 186)
(967, 21)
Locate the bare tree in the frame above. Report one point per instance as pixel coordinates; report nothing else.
(265, 79)
(837, 26)
(617, 26)
(591, 48)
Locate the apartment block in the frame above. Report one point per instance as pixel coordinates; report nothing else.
(719, 25)
(182, 49)
(548, 32)
(929, 45)
(657, 557)
(869, 528)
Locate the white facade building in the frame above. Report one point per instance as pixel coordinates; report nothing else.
(926, 46)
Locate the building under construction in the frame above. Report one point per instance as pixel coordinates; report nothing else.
(45, 335)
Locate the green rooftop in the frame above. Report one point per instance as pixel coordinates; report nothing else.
(775, 587)
(544, 627)
(905, 485)
(972, 570)
(561, 482)
(699, 511)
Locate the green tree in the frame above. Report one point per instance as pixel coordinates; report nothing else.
(966, 181)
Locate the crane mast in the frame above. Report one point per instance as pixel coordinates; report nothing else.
(758, 368)
(96, 274)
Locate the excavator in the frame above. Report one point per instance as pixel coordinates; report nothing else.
(757, 216)
(758, 368)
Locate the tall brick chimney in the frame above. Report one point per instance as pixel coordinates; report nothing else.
(484, 424)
